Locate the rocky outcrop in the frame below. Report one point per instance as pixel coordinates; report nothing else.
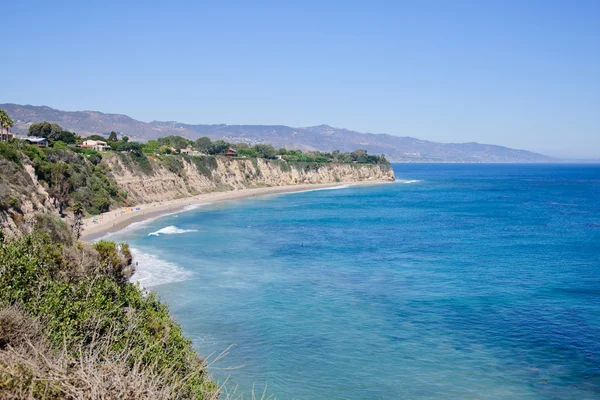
(188, 176)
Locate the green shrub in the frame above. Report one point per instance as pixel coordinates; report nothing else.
(204, 164)
(10, 152)
(56, 229)
(173, 164)
(81, 312)
(137, 162)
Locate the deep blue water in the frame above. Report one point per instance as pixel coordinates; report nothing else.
(476, 282)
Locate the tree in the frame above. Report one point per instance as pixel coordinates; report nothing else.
(202, 144)
(68, 137)
(218, 147)
(6, 121)
(177, 142)
(358, 155)
(125, 139)
(77, 219)
(46, 130)
(95, 137)
(265, 150)
(151, 146)
(113, 136)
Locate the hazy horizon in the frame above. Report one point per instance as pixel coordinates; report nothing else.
(519, 75)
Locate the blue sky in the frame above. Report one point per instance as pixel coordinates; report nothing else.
(524, 74)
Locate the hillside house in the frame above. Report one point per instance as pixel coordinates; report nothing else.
(97, 145)
(37, 141)
(187, 150)
(6, 136)
(231, 152)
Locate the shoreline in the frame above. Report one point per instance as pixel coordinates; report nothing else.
(119, 219)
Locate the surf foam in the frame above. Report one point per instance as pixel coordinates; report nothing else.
(171, 230)
(152, 271)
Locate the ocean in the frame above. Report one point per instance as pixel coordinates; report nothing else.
(454, 282)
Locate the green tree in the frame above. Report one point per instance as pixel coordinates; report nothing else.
(68, 137)
(218, 147)
(46, 130)
(247, 152)
(265, 150)
(95, 137)
(113, 136)
(125, 139)
(6, 121)
(358, 155)
(177, 142)
(151, 146)
(202, 144)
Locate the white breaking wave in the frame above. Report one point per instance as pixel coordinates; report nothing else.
(408, 181)
(346, 186)
(192, 207)
(171, 230)
(152, 271)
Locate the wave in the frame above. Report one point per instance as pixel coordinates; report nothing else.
(152, 271)
(171, 230)
(409, 181)
(193, 206)
(346, 186)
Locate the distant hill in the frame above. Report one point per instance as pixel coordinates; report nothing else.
(322, 137)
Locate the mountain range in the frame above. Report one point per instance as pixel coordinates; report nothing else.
(321, 137)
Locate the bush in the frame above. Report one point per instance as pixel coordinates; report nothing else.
(96, 320)
(56, 229)
(204, 164)
(10, 152)
(137, 162)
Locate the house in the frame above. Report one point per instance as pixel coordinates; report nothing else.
(6, 136)
(231, 153)
(38, 141)
(188, 150)
(97, 145)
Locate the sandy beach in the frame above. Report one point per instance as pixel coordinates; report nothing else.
(119, 219)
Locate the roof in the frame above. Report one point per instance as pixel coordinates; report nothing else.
(36, 140)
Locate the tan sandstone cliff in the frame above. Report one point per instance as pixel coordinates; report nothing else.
(192, 177)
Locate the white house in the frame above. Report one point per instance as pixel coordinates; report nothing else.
(97, 145)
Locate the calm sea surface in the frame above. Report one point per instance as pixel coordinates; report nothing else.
(456, 282)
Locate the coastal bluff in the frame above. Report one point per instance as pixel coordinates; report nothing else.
(184, 176)
(49, 181)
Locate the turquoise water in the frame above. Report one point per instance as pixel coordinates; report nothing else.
(458, 282)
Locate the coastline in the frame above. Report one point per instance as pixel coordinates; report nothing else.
(119, 219)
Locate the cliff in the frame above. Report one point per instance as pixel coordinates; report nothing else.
(50, 181)
(181, 176)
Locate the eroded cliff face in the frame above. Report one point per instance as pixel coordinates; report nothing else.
(188, 176)
(21, 198)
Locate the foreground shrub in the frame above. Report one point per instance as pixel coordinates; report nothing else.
(99, 320)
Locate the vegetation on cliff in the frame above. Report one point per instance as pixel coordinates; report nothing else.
(72, 326)
(69, 175)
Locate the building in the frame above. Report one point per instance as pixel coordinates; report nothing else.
(97, 145)
(187, 150)
(38, 141)
(231, 153)
(5, 136)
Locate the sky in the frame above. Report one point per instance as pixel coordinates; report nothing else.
(524, 74)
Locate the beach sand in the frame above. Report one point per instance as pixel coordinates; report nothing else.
(116, 220)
